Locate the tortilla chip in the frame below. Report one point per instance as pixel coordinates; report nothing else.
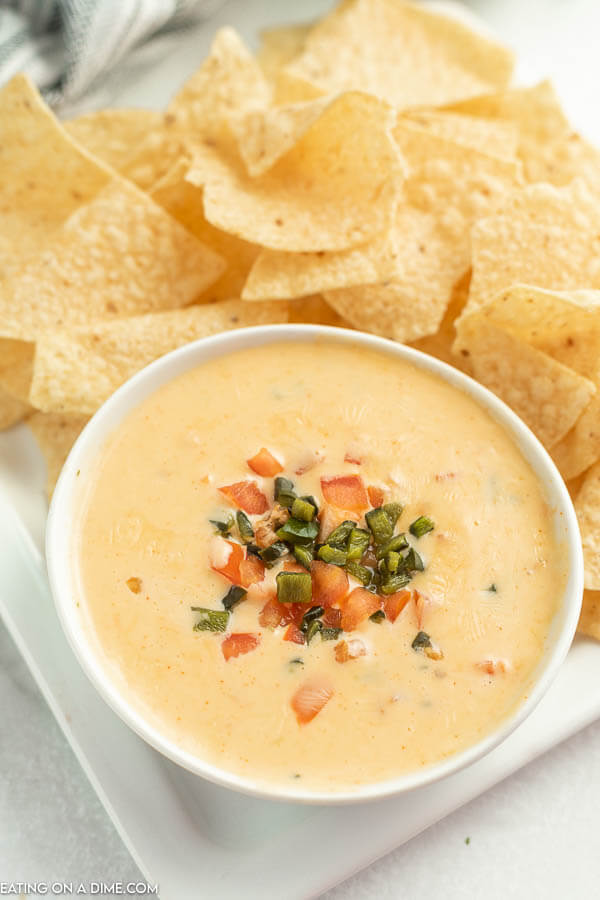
(113, 135)
(440, 343)
(405, 54)
(183, 201)
(335, 189)
(548, 396)
(279, 276)
(541, 235)
(16, 368)
(560, 161)
(279, 46)
(589, 620)
(495, 138)
(228, 81)
(55, 433)
(12, 410)
(315, 310)
(76, 371)
(119, 255)
(44, 175)
(587, 507)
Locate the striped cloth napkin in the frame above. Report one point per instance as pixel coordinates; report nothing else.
(67, 46)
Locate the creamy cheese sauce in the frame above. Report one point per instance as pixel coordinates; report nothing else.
(393, 710)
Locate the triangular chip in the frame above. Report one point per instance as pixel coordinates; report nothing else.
(404, 53)
(335, 189)
(120, 254)
(548, 396)
(114, 134)
(496, 138)
(279, 46)
(12, 410)
(589, 620)
(76, 371)
(587, 507)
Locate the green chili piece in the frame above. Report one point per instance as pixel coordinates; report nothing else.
(308, 498)
(294, 587)
(332, 555)
(295, 531)
(397, 543)
(244, 526)
(211, 619)
(421, 641)
(379, 524)
(223, 528)
(395, 583)
(392, 561)
(315, 612)
(271, 554)
(393, 511)
(339, 536)
(357, 543)
(303, 555)
(421, 526)
(284, 492)
(413, 561)
(313, 629)
(361, 573)
(378, 616)
(492, 589)
(233, 596)
(302, 509)
(330, 634)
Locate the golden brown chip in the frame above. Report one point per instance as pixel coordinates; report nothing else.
(228, 81)
(183, 201)
(12, 410)
(76, 371)
(541, 235)
(279, 46)
(587, 507)
(496, 138)
(121, 254)
(55, 433)
(335, 189)
(402, 52)
(589, 620)
(16, 368)
(316, 311)
(440, 343)
(113, 135)
(561, 160)
(548, 396)
(44, 175)
(279, 276)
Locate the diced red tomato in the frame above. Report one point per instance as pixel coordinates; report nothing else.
(239, 643)
(332, 618)
(247, 496)
(423, 605)
(310, 698)
(330, 518)
(264, 463)
(376, 495)
(291, 565)
(345, 492)
(275, 613)
(393, 604)
(329, 583)
(293, 634)
(231, 568)
(346, 650)
(252, 570)
(358, 606)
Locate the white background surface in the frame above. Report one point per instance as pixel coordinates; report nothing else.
(536, 834)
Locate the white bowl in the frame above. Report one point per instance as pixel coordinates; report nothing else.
(63, 521)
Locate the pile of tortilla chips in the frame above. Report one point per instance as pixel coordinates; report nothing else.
(373, 170)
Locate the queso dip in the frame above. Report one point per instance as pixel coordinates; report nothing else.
(318, 562)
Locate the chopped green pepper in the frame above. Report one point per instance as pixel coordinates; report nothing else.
(211, 619)
(284, 492)
(361, 573)
(392, 561)
(233, 596)
(413, 561)
(379, 524)
(223, 528)
(295, 531)
(393, 511)
(270, 555)
(339, 536)
(330, 634)
(244, 526)
(332, 555)
(303, 509)
(395, 583)
(308, 498)
(421, 526)
(421, 641)
(378, 616)
(294, 587)
(303, 555)
(492, 589)
(358, 542)
(397, 543)
(315, 612)
(313, 629)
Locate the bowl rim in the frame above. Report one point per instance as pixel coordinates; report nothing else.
(61, 528)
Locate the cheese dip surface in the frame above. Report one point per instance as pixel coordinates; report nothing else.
(318, 562)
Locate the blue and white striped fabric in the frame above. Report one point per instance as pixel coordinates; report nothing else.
(65, 46)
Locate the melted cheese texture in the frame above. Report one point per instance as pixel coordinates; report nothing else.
(146, 514)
